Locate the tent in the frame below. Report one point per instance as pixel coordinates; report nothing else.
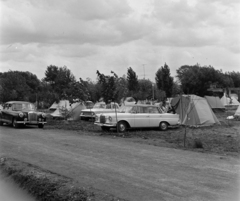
(237, 113)
(62, 105)
(230, 102)
(58, 114)
(194, 111)
(215, 102)
(74, 113)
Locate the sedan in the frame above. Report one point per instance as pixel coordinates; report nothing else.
(137, 116)
(19, 113)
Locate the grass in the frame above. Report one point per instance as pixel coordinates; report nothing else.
(221, 139)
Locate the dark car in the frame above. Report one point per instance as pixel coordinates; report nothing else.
(21, 113)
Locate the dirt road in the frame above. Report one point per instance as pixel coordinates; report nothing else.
(125, 169)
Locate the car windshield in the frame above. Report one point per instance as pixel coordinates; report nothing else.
(99, 105)
(23, 106)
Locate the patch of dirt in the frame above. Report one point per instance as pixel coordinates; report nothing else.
(45, 185)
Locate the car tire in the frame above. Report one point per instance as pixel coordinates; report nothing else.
(1, 123)
(163, 126)
(14, 124)
(122, 126)
(40, 125)
(104, 128)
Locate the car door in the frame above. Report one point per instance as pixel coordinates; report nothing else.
(155, 117)
(141, 118)
(6, 116)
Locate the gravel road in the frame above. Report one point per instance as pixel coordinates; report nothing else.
(125, 169)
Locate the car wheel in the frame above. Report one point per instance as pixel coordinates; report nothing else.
(122, 126)
(104, 128)
(163, 126)
(14, 123)
(1, 123)
(40, 125)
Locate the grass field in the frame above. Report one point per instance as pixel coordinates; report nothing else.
(221, 139)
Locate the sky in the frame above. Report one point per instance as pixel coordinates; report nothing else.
(113, 35)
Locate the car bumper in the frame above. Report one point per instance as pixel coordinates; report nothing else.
(87, 116)
(31, 122)
(112, 125)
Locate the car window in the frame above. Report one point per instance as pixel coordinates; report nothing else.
(7, 107)
(114, 106)
(127, 109)
(23, 106)
(153, 110)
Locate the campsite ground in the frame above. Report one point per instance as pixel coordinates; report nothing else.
(221, 139)
(202, 144)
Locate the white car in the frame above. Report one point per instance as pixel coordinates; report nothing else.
(137, 116)
(98, 108)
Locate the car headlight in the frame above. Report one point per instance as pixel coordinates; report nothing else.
(21, 115)
(110, 118)
(93, 113)
(43, 115)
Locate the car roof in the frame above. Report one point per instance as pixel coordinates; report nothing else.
(17, 102)
(142, 105)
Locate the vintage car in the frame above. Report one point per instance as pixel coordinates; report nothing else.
(98, 108)
(21, 113)
(137, 116)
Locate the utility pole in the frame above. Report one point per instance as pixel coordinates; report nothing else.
(144, 71)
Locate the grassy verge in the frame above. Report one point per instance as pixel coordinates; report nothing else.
(48, 186)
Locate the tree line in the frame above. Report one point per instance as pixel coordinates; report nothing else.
(59, 83)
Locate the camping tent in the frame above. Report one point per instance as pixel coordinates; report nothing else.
(228, 102)
(194, 111)
(74, 113)
(215, 102)
(62, 105)
(237, 113)
(57, 114)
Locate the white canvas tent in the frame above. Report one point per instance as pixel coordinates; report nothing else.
(74, 113)
(62, 105)
(229, 102)
(237, 113)
(194, 111)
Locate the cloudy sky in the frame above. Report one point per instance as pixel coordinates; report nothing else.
(105, 35)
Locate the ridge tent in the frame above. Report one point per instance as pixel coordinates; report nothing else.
(62, 105)
(229, 102)
(57, 114)
(74, 113)
(237, 113)
(194, 111)
(215, 102)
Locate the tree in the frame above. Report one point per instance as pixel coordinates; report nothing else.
(235, 76)
(122, 87)
(17, 85)
(164, 80)
(132, 81)
(197, 80)
(108, 85)
(145, 90)
(61, 80)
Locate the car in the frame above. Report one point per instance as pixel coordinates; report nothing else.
(19, 113)
(137, 116)
(100, 107)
